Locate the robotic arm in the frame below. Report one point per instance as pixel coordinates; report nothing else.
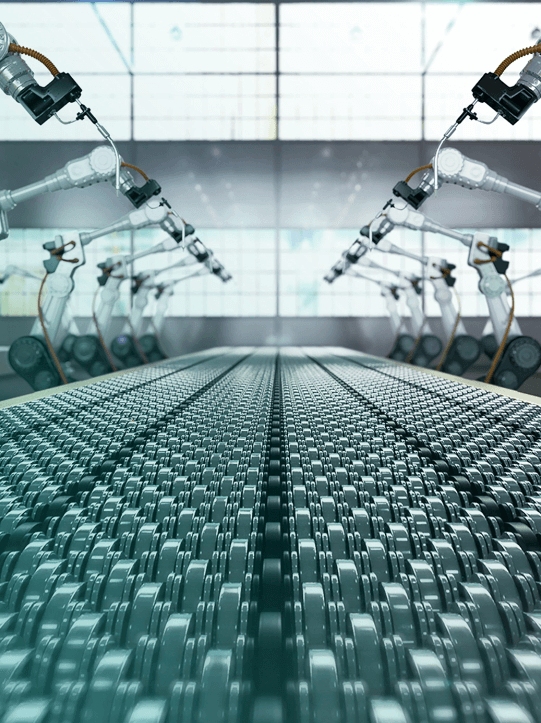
(29, 355)
(17, 80)
(96, 167)
(464, 349)
(148, 344)
(522, 354)
(429, 345)
(389, 293)
(456, 168)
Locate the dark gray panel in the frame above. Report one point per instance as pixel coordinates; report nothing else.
(216, 185)
(320, 181)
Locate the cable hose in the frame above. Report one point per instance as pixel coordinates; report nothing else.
(46, 335)
(100, 337)
(515, 56)
(504, 340)
(421, 168)
(159, 342)
(13, 48)
(129, 165)
(452, 337)
(416, 344)
(137, 344)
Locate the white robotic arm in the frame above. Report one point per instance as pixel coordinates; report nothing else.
(438, 269)
(456, 168)
(389, 293)
(67, 255)
(491, 283)
(411, 290)
(96, 167)
(164, 292)
(18, 81)
(197, 254)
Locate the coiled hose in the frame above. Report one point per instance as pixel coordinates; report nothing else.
(13, 48)
(417, 170)
(515, 56)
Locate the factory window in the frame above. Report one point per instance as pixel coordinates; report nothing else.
(208, 71)
(204, 38)
(220, 81)
(204, 107)
(350, 107)
(307, 255)
(524, 256)
(457, 55)
(250, 256)
(340, 80)
(332, 37)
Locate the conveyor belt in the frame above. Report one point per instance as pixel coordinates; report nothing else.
(253, 536)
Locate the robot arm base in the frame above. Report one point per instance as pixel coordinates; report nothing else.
(88, 353)
(463, 352)
(30, 359)
(43, 102)
(125, 349)
(520, 359)
(414, 197)
(402, 347)
(511, 102)
(489, 345)
(150, 345)
(429, 347)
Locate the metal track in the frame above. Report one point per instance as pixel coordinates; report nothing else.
(262, 536)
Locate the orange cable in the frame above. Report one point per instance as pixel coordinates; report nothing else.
(504, 340)
(421, 168)
(129, 165)
(100, 337)
(452, 337)
(14, 48)
(46, 335)
(515, 56)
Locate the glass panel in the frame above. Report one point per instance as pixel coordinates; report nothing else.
(350, 37)
(248, 255)
(307, 255)
(468, 37)
(71, 34)
(19, 297)
(350, 107)
(204, 38)
(205, 107)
